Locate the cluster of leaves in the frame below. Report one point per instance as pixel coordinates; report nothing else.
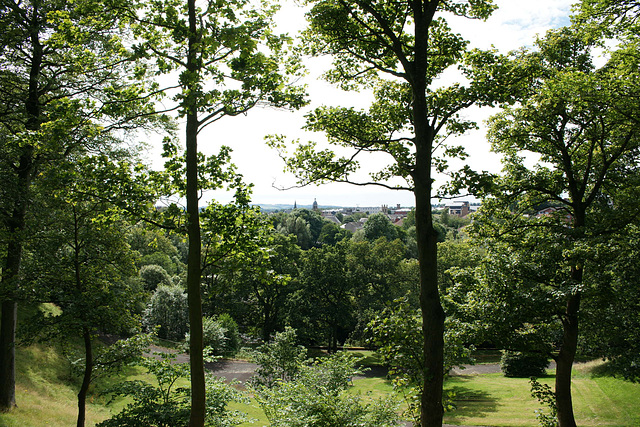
(166, 403)
(546, 396)
(279, 359)
(294, 393)
(220, 335)
(396, 333)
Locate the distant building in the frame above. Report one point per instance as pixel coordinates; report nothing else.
(461, 209)
(354, 225)
(315, 205)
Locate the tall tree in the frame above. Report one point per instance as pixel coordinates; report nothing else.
(228, 61)
(550, 220)
(65, 84)
(399, 49)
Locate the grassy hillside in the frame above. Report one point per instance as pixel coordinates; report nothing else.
(45, 392)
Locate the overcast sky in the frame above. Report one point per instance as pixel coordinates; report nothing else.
(514, 24)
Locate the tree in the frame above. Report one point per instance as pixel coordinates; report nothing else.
(81, 263)
(65, 85)
(611, 328)
(325, 299)
(399, 49)
(580, 121)
(153, 275)
(168, 311)
(617, 18)
(378, 225)
(228, 61)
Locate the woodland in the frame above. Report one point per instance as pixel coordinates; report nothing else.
(104, 256)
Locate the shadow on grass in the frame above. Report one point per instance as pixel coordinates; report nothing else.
(607, 369)
(468, 402)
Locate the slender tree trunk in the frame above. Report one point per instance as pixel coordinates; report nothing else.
(566, 356)
(194, 271)
(86, 379)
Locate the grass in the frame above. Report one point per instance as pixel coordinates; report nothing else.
(492, 399)
(44, 394)
(47, 396)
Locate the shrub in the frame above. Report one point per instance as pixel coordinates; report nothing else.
(213, 336)
(523, 365)
(233, 341)
(162, 404)
(220, 334)
(169, 310)
(279, 359)
(318, 397)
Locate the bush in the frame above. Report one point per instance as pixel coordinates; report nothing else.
(518, 364)
(169, 310)
(213, 336)
(279, 359)
(233, 341)
(163, 404)
(220, 334)
(318, 397)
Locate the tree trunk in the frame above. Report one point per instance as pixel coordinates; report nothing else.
(194, 271)
(86, 379)
(431, 408)
(10, 277)
(7, 355)
(432, 313)
(566, 356)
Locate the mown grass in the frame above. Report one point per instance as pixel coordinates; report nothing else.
(494, 400)
(46, 396)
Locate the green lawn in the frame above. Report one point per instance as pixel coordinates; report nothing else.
(495, 400)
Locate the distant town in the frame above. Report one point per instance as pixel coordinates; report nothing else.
(396, 214)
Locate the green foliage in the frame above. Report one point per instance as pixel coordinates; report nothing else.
(354, 217)
(279, 359)
(546, 396)
(168, 311)
(213, 336)
(332, 234)
(167, 404)
(307, 225)
(326, 291)
(153, 275)
(397, 335)
(220, 335)
(233, 340)
(378, 225)
(519, 364)
(318, 397)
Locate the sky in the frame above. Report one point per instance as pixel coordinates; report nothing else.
(515, 24)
